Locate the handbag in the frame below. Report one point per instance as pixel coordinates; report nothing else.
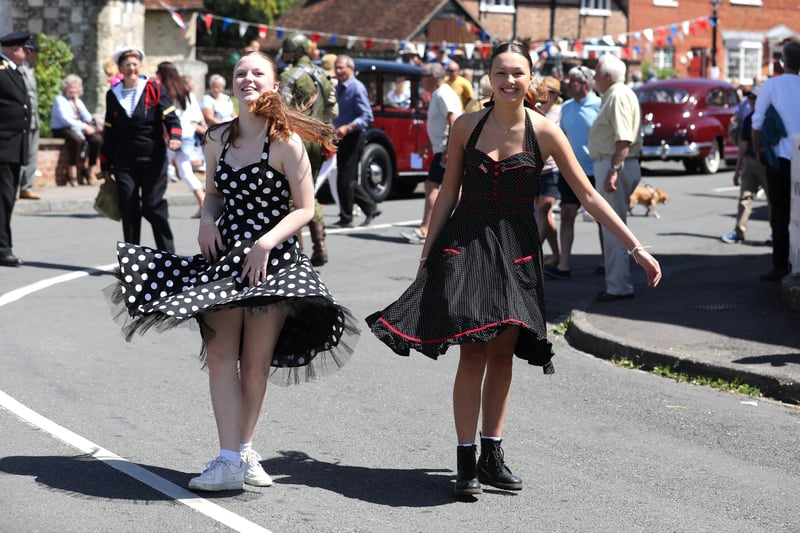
(106, 202)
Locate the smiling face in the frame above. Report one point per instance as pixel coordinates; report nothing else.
(510, 76)
(129, 67)
(254, 74)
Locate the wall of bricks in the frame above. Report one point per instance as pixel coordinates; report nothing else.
(52, 163)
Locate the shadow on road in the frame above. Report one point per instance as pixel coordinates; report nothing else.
(395, 487)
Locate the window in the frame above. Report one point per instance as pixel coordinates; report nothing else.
(598, 8)
(744, 61)
(665, 3)
(746, 2)
(664, 58)
(497, 6)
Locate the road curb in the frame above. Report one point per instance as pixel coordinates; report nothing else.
(582, 336)
(43, 206)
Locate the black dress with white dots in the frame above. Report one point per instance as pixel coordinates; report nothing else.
(163, 290)
(484, 270)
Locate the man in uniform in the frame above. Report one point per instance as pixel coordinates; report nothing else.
(308, 88)
(28, 172)
(15, 120)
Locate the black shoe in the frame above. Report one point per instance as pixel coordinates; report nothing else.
(376, 213)
(608, 297)
(492, 468)
(467, 483)
(553, 272)
(343, 224)
(10, 260)
(774, 275)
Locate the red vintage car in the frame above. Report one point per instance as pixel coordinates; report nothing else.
(398, 131)
(686, 119)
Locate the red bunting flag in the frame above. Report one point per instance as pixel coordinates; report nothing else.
(262, 31)
(701, 23)
(484, 51)
(208, 18)
(314, 37)
(368, 44)
(579, 46)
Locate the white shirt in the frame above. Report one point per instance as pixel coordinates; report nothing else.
(444, 101)
(783, 93)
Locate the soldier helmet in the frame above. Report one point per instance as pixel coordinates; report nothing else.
(296, 42)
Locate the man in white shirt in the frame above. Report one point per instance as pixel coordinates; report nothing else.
(443, 110)
(781, 93)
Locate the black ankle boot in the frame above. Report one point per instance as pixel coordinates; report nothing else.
(492, 468)
(466, 478)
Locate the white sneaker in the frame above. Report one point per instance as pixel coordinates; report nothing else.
(220, 474)
(254, 473)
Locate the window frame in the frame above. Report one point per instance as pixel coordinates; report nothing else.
(496, 6)
(596, 8)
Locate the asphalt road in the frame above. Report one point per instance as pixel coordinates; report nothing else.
(370, 449)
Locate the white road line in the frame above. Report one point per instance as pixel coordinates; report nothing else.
(179, 494)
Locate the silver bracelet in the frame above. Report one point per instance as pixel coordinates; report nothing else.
(636, 249)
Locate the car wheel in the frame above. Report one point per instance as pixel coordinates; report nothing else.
(376, 172)
(710, 164)
(692, 166)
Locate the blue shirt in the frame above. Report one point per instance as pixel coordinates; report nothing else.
(354, 104)
(576, 120)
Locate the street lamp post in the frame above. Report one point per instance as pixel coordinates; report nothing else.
(714, 23)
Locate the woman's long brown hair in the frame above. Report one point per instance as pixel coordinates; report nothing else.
(283, 119)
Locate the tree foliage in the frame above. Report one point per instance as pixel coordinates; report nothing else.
(252, 11)
(55, 56)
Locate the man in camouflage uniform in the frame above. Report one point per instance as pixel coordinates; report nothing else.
(307, 87)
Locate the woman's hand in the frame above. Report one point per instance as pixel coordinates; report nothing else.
(650, 266)
(255, 263)
(174, 144)
(210, 241)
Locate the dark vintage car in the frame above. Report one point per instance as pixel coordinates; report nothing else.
(686, 119)
(398, 131)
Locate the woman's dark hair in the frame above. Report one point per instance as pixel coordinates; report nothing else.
(175, 84)
(284, 120)
(515, 48)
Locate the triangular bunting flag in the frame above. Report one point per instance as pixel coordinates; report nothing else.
(469, 48)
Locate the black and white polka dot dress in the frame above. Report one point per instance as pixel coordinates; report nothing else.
(162, 290)
(484, 270)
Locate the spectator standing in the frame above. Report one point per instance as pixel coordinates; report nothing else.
(615, 144)
(216, 105)
(355, 114)
(577, 116)
(459, 84)
(548, 192)
(188, 110)
(70, 120)
(777, 102)
(29, 169)
(443, 110)
(15, 120)
(409, 55)
(307, 88)
(750, 173)
(134, 153)
(485, 90)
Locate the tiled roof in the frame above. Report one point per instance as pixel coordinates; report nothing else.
(389, 19)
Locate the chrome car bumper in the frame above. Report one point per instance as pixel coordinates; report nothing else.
(682, 151)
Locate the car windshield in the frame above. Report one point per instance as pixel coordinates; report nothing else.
(665, 95)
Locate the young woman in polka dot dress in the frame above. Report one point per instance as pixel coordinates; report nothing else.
(479, 284)
(256, 297)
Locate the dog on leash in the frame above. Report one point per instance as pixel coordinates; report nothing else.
(648, 196)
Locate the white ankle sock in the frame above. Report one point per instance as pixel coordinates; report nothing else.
(245, 447)
(231, 456)
(467, 444)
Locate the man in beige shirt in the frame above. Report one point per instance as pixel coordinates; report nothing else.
(614, 146)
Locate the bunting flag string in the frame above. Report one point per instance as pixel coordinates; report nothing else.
(631, 42)
(316, 36)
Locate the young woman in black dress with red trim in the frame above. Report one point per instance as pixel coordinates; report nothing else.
(479, 283)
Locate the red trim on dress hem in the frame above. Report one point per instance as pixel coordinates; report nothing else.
(523, 259)
(451, 251)
(463, 333)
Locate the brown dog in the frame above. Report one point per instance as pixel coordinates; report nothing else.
(648, 196)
